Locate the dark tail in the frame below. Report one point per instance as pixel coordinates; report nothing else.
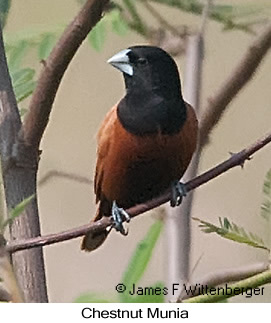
(92, 241)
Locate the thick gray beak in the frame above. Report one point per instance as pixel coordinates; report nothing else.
(121, 62)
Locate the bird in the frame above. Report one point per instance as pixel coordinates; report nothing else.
(145, 142)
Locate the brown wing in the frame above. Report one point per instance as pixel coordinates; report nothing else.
(92, 241)
(186, 140)
(103, 137)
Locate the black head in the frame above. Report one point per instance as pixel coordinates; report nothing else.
(153, 101)
(148, 68)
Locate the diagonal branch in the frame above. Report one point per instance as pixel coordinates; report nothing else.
(55, 66)
(237, 159)
(222, 277)
(233, 289)
(231, 87)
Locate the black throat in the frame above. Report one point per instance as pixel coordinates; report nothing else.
(145, 112)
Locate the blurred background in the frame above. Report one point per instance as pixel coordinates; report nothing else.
(89, 88)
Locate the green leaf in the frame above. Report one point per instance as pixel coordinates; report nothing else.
(16, 55)
(39, 38)
(232, 231)
(134, 272)
(23, 91)
(140, 258)
(97, 35)
(46, 45)
(119, 26)
(266, 204)
(241, 11)
(228, 12)
(19, 208)
(227, 224)
(22, 75)
(32, 36)
(222, 9)
(92, 298)
(23, 83)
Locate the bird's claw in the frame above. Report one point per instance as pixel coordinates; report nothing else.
(178, 192)
(119, 215)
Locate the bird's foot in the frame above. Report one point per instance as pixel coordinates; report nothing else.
(119, 215)
(178, 191)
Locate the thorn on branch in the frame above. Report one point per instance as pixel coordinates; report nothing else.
(43, 62)
(242, 163)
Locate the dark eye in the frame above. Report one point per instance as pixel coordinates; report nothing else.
(142, 61)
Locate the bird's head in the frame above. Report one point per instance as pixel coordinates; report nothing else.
(148, 68)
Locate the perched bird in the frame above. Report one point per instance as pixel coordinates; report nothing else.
(146, 140)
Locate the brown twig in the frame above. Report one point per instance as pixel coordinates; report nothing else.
(237, 80)
(223, 276)
(55, 66)
(235, 160)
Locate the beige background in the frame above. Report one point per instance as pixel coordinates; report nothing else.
(90, 87)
